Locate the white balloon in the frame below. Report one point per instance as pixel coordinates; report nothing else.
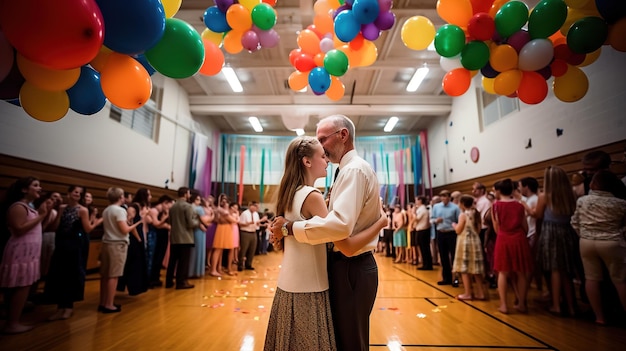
(326, 45)
(535, 55)
(450, 63)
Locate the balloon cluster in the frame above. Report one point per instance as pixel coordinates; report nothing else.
(517, 53)
(341, 37)
(242, 24)
(90, 51)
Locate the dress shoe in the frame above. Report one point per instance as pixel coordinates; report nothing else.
(443, 282)
(250, 268)
(455, 283)
(156, 284)
(240, 269)
(107, 310)
(169, 284)
(425, 269)
(185, 286)
(101, 307)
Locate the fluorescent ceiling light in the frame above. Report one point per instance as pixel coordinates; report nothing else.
(417, 79)
(390, 124)
(300, 131)
(232, 79)
(255, 124)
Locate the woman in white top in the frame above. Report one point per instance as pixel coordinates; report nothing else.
(301, 318)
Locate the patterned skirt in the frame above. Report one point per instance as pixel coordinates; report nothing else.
(558, 248)
(300, 321)
(468, 257)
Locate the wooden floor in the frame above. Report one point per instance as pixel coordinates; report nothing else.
(411, 313)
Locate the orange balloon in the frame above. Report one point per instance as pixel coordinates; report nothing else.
(44, 105)
(238, 17)
(334, 4)
(321, 7)
(232, 42)
(506, 83)
(46, 78)
(125, 82)
(213, 59)
(495, 7)
(100, 60)
(298, 80)
(324, 23)
(617, 35)
(336, 90)
(457, 81)
(308, 42)
(457, 12)
(353, 56)
(368, 54)
(319, 59)
(503, 58)
(533, 88)
(557, 38)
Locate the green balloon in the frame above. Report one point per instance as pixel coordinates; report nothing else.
(587, 35)
(449, 40)
(511, 17)
(475, 55)
(336, 63)
(263, 16)
(179, 53)
(547, 17)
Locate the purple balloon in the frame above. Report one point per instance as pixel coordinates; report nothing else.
(545, 72)
(518, 39)
(385, 5)
(223, 5)
(250, 41)
(488, 72)
(370, 31)
(341, 8)
(268, 38)
(385, 20)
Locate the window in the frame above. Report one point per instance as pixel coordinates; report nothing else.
(142, 120)
(494, 107)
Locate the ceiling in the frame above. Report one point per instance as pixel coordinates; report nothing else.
(372, 94)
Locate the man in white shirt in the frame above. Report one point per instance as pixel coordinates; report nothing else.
(249, 222)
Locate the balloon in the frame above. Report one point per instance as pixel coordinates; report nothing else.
(44, 105)
(324, 23)
(309, 42)
(11, 84)
(495, 7)
(503, 58)
(518, 40)
(270, 2)
(357, 43)
(326, 45)
(611, 10)
(304, 62)
(511, 17)
(215, 20)
(7, 57)
(336, 63)
(370, 31)
(489, 72)
(141, 58)
(572, 86)
(535, 55)
(336, 90)
(479, 6)
(215, 38)
(293, 54)
(268, 38)
(213, 59)
(367, 55)
(545, 72)
(232, 41)
(15, 102)
(533, 88)
(450, 63)
(100, 60)
(457, 82)
(449, 40)
(238, 18)
(506, 83)
(365, 11)
(125, 82)
(319, 59)
(577, 4)
(47, 79)
(132, 27)
(481, 26)
(384, 5)
(558, 67)
(319, 80)
(546, 18)
(86, 96)
(298, 80)
(180, 53)
(488, 85)
(456, 12)
(321, 7)
(617, 35)
(574, 15)
(250, 41)
(417, 33)
(59, 34)
(346, 26)
(587, 34)
(250, 4)
(223, 5)
(475, 55)
(264, 16)
(385, 20)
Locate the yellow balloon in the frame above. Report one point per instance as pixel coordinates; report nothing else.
(336, 90)
(506, 83)
(44, 105)
(249, 4)
(488, 85)
(232, 42)
(572, 86)
(457, 12)
(213, 37)
(417, 33)
(576, 4)
(171, 7)
(46, 78)
(503, 58)
(591, 58)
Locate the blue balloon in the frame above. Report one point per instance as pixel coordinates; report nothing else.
(15, 102)
(365, 11)
(86, 96)
(319, 80)
(132, 27)
(215, 20)
(144, 62)
(346, 26)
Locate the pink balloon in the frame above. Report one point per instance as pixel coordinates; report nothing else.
(268, 38)
(7, 57)
(250, 41)
(518, 39)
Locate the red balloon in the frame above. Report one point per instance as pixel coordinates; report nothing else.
(481, 26)
(533, 88)
(558, 67)
(304, 63)
(293, 55)
(457, 81)
(481, 5)
(61, 34)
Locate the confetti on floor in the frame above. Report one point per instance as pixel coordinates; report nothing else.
(421, 315)
(436, 310)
